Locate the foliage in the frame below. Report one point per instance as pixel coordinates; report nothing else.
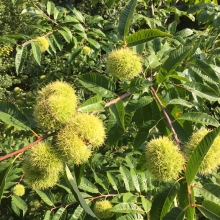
(176, 94)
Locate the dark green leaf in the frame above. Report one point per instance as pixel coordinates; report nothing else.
(210, 210)
(175, 213)
(44, 197)
(199, 153)
(36, 52)
(125, 18)
(98, 84)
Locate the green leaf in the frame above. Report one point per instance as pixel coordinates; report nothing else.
(199, 117)
(185, 200)
(210, 192)
(12, 115)
(20, 58)
(66, 35)
(210, 210)
(173, 61)
(47, 215)
(138, 84)
(87, 186)
(70, 181)
(113, 181)
(57, 40)
(116, 122)
(175, 213)
(93, 104)
(4, 173)
(78, 15)
(199, 153)
(125, 18)
(143, 36)
(59, 213)
(136, 216)
(20, 203)
(126, 176)
(143, 179)
(50, 7)
(98, 84)
(127, 207)
(181, 102)
(163, 201)
(184, 33)
(94, 43)
(44, 197)
(146, 204)
(134, 179)
(143, 133)
(8, 40)
(202, 91)
(36, 52)
(198, 7)
(74, 53)
(78, 213)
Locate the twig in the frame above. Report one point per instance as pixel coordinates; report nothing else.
(32, 40)
(44, 13)
(26, 147)
(166, 116)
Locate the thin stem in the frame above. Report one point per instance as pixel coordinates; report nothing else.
(45, 15)
(26, 147)
(166, 116)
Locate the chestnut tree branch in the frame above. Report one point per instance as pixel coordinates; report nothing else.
(26, 147)
(166, 116)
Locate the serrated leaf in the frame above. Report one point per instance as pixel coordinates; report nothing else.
(12, 115)
(47, 215)
(59, 213)
(50, 7)
(181, 102)
(74, 53)
(93, 104)
(20, 57)
(210, 192)
(199, 153)
(173, 61)
(143, 133)
(87, 186)
(65, 35)
(202, 91)
(198, 7)
(94, 43)
(199, 117)
(163, 201)
(138, 84)
(78, 15)
(210, 210)
(20, 203)
(184, 33)
(136, 216)
(36, 52)
(126, 176)
(125, 18)
(143, 36)
(134, 179)
(98, 84)
(185, 199)
(113, 181)
(175, 213)
(44, 197)
(57, 40)
(143, 179)
(70, 181)
(78, 212)
(127, 207)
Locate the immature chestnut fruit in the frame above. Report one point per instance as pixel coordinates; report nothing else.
(163, 159)
(56, 105)
(89, 128)
(212, 159)
(42, 166)
(124, 64)
(42, 43)
(101, 209)
(19, 190)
